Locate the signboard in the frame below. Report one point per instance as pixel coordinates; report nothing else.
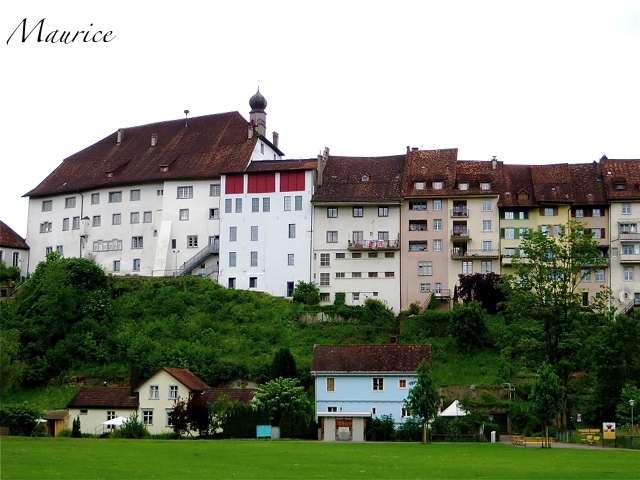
(609, 430)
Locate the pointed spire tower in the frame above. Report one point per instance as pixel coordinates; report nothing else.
(257, 116)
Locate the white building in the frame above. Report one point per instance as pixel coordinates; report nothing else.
(14, 251)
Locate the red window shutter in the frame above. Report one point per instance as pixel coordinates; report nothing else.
(234, 184)
(291, 181)
(261, 183)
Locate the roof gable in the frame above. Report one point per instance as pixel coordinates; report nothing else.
(10, 239)
(427, 166)
(390, 358)
(184, 376)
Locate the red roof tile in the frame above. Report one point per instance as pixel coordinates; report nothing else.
(628, 170)
(10, 239)
(517, 187)
(552, 183)
(208, 145)
(103, 397)
(587, 188)
(369, 358)
(244, 395)
(428, 166)
(187, 378)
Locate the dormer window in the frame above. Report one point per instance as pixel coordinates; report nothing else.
(365, 178)
(462, 186)
(164, 168)
(418, 185)
(437, 185)
(485, 186)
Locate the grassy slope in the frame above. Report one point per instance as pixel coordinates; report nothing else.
(39, 458)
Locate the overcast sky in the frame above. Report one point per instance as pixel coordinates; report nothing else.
(530, 82)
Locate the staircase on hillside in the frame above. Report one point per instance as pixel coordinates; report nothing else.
(199, 258)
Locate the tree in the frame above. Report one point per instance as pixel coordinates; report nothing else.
(623, 410)
(469, 327)
(280, 395)
(283, 365)
(8, 274)
(547, 397)
(21, 419)
(306, 292)
(483, 288)
(545, 292)
(11, 367)
(192, 415)
(76, 430)
(423, 398)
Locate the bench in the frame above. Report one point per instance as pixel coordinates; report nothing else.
(524, 441)
(589, 435)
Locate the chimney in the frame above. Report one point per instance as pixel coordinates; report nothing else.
(408, 148)
(322, 163)
(120, 136)
(276, 137)
(494, 163)
(414, 149)
(135, 379)
(154, 139)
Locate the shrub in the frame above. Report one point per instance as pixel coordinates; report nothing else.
(65, 433)
(491, 427)
(381, 428)
(76, 430)
(410, 431)
(340, 298)
(133, 428)
(21, 419)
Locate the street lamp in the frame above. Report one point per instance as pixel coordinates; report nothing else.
(631, 402)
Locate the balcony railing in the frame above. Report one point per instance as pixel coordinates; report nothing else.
(374, 245)
(626, 236)
(630, 258)
(462, 233)
(460, 212)
(445, 293)
(461, 254)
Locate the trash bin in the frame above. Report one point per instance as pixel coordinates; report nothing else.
(493, 436)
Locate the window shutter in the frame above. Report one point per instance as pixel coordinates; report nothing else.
(502, 233)
(516, 233)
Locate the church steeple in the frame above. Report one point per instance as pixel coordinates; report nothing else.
(257, 116)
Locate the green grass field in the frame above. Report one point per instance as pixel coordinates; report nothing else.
(47, 458)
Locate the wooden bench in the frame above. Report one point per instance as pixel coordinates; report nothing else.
(517, 439)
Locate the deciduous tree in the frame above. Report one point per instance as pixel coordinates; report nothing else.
(423, 398)
(547, 397)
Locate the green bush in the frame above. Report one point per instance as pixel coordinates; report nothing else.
(242, 422)
(410, 431)
(76, 431)
(340, 298)
(133, 428)
(21, 419)
(432, 323)
(65, 433)
(491, 427)
(381, 429)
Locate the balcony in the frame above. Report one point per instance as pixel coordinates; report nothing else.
(460, 212)
(462, 254)
(630, 258)
(627, 236)
(460, 234)
(374, 245)
(443, 294)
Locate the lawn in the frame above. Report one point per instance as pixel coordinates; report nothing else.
(47, 458)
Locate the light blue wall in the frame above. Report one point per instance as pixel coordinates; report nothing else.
(354, 393)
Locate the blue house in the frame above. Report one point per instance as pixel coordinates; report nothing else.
(355, 382)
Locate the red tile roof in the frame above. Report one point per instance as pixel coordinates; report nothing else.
(552, 183)
(616, 171)
(10, 239)
(361, 179)
(428, 166)
(517, 187)
(104, 397)
(281, 165)
(369, 358)
(587, 188)
(208, 145)
(187, 378)
(244, 395)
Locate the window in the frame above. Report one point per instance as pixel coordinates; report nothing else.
(136, 264)
(356, 274)
(325, 297)
(290, 260)
(626, 208)
(160, 192)
(96, 221)
(402, 383)
(287, 203)
(418, 185)
(372, 255)
(509, 233)
(50, 249)
(115, 197)
(418, 246)
(425, 287)
(214, 190)
(185, 192)
(356, 255)
(233, 234)
(331, 384)
(383, 211)
(486, 267)
(509, 215)
(253, 282)
(65, 224)
(45, 227)
(437, 204)
(238, 205)
(373, 275)
(383, 235)
(557, 230)
(341, 275)
(463, 186)
(389, 254)
(232, 282)
(266, 204)
(486, 205)
(59, 251)
(107, 245)
(147, 217)
(135, 216)
(628, 274)
(75, 223)
(192, 241)
(404, 412)
(340, 255)
(627, 249)
(358, 211)
(549, 211)
(325, 259)
(134, 195)
(298, 203)
(325, 279)
(437, 185)
(467, 268)
(290, 289)
(136, 242)
(579, 213)
(596, 212)
(147, 416)
(292, 230)
(332, 212)
(425, 267)
(417, 205)
(389, 274)
(585, 275)
(485, 186)
(227, 205)
(358, 236)
(254, 259)
(599, 275)
(47, 205)
(332, 236)
(417, 225)
(355, 297)
(254, 233)
(232, 259)
(255, 205)
(486, 225)
(95, 198)
(585, 299)
(438, 287)
(378, 384)
(173, 392)
(437, 224)
(70, 202)
(437, 245)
